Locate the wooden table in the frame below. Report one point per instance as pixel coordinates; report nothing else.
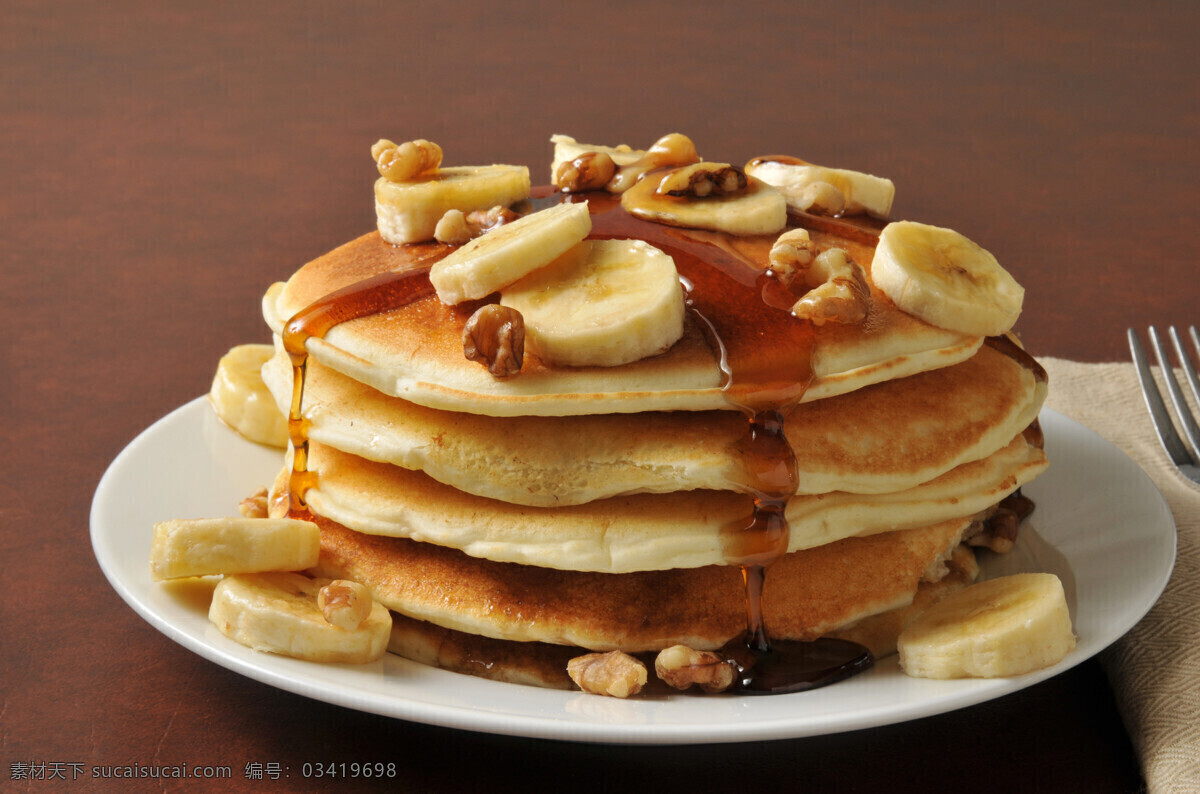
(162, 163)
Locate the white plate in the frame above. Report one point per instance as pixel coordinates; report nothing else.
(1100, 524)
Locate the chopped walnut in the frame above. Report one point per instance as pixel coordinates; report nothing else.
(495, 336)
(792, 255)
(821, 198)
(588, 171)
(614, 673)
(669, 151)
(701, 180)
(406, 161)
(998, 531)
(255, 505)
(345, 604)
(481, 221)
(455, 228)
(836, 287)
(680, 666)
(452, 229)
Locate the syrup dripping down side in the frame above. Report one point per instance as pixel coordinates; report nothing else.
(765, 356)
(371, 296)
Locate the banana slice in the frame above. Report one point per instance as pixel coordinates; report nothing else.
(278, 613)
(943, 278)
(759, 209)
(241, 399)
(1007, 626)
(509, 252)
(408, 212)
(603, 303)
(205, 546)
(863, 193)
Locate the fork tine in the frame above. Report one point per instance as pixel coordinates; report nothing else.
(1182, 411)
(1171, 442)
(1188, 369)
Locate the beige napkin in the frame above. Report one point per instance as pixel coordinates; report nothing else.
(1155, 668)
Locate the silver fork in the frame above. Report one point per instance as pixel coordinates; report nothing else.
(1186, 460)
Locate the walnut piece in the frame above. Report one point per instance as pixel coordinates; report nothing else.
(455, 228)
(406, 161)
(345, 604)
(835, 286)
(615, 673)
(998, 531)
(254, 505)
(680, 666)
(701, 180)
(669, 151)
(481, 221)
(495, 336)
(792, 255)
(588, 171)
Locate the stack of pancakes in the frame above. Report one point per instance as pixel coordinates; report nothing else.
(511, 522)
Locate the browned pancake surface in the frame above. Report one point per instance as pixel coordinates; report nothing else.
(808, 593)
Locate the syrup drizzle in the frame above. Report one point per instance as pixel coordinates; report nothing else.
(765, 356)
(371, 296)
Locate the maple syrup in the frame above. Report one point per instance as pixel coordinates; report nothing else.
(765, 356)
(371, 296)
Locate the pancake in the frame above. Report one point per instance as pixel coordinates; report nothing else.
(641, 532)
(808, 593)
(415, 352)
(884, 438)
(545, 665)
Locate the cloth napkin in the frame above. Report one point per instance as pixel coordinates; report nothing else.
(1155, 668)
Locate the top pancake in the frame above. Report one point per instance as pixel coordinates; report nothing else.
(415, 352)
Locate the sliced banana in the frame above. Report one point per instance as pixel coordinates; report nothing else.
(509, 252)
(408, 212)
(278, 613)
(941, 277)
(1001, 627)
(603, 303)
(206, 546)
(759, 209)
(863, 193)
(241, 399)
(567, 149)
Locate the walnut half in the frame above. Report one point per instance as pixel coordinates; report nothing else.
(345, 604)
(406, 161)
(495, 337)
(588, 171)
(456, 228)
(680, 666)
(614, 673)
(835, 286)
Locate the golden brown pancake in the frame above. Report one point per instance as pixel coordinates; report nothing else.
(880, 439)
(808, 593)
(639, 532)
(415, 352)
(545, 665)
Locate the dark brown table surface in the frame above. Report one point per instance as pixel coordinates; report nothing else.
(162, 163)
